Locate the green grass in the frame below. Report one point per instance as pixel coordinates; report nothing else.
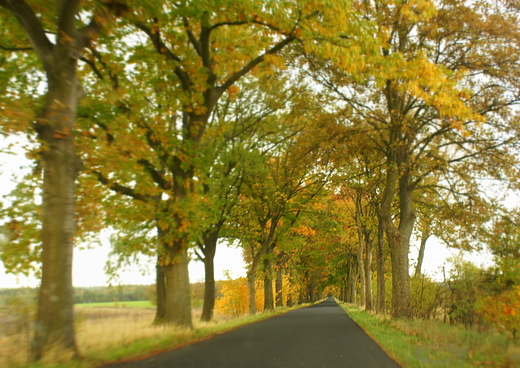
(422, 344)
(133, 304)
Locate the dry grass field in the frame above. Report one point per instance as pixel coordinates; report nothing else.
(107, 334)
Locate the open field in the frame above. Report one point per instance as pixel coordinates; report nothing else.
(134, 304)
(107, 334)
(429, 343)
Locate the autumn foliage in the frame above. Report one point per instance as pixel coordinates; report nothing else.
(235, 297)
(502, 310)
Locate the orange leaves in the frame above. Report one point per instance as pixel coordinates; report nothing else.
(233, 92)
(15, 117)
(502, 310)
(305, 231)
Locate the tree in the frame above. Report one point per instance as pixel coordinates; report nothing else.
(431, 121)
(54, 126)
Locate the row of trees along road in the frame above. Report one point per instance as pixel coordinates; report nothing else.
(309, 132)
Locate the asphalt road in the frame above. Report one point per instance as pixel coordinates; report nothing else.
(319, 336)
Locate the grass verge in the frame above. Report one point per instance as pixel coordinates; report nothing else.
(426, 343)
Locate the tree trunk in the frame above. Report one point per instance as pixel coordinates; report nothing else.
(209, 290)
(398, 171)
(178, 303)
(368, 276)
(399, 237)
(380, 258)
(279, 287)
(268, 286)
(361, 249)
(352, 281)
(424, 237)
(290, 291)
(312, 296)
(54, 325)
(210, 248)
(251, 280)
(160, 288)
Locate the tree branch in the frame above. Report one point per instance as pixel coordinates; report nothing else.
(158, 43)
(236, 76)
(191, 36)
(162, 49)
(121, 189)
(16, 48)
(156, 175)
(33, 28)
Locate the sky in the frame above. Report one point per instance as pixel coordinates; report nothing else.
(89, 261)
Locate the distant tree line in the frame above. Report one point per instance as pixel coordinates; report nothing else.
(103, 294)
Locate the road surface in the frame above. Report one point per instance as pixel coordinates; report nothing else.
(322, 335)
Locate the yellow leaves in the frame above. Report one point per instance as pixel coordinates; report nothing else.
(305, 231)
(235, 297)
(275, 62)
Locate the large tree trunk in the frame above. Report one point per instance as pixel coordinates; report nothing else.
(399, 237)
(380, 259)
(178, 301)
(54, 325)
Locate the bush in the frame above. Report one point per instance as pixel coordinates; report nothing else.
(425, 295)
(502, 310)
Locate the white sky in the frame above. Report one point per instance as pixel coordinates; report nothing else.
(88, 268)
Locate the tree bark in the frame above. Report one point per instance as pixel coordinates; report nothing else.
(55, 317)
(160, 288)
(178, 301)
